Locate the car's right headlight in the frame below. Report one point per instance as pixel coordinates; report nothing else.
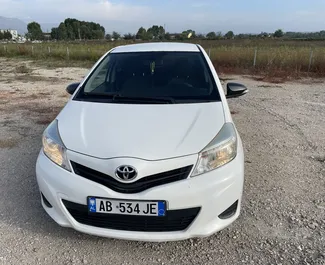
(53, 146)
(220, 151)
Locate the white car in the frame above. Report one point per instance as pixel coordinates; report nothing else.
(145, 149)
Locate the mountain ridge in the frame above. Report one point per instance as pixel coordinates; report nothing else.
(14, 24)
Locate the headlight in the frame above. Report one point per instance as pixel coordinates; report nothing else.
(221, 150)
(53, 147)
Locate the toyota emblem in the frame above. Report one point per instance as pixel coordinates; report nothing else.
(126, 173)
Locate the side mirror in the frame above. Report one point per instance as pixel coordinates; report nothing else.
(72, 88)
(235, 90)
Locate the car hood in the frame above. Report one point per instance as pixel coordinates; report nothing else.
(150, 132)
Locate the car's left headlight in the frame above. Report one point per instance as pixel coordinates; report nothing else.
(220, 151)
(53, 146)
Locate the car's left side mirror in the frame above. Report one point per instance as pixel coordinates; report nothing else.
(72, 88)
(235, 90)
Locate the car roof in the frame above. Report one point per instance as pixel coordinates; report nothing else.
(157, 47)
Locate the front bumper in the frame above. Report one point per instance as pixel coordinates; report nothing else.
(213, 192)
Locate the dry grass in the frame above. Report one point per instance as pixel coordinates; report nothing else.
(274, 58)
(23, 69)
(283, 62)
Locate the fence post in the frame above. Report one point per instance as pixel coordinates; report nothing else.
(49, 49)
(32, 50)
(255, 57)
(310, 59)
(88, 49)
(209, 52)
(5, 48)
(68, 53)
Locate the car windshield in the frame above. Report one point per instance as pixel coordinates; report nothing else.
(151, 77)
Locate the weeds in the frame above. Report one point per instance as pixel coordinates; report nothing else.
(23, 69)
(274, 59)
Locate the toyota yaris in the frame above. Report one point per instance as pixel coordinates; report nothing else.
(145, 149)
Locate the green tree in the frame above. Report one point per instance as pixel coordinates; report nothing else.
(180, 36)
(156, 32)
(85, 32)
(167, 36)
(70, 32)
(116, 35)
(1, 35)
(72, 29)
(189, 34)
(229, 35)
(200, 36)
(54, 33)
(62, 32)
(219, 35)
(142, 34)
(34, 31)
(211, 35)
(108, 36)
(7, 35)
(76, 29)
(149, 35)
(153, 31)
(98, 34)
(184, 35)
(129, 36)
(161, 32)
(278, 33)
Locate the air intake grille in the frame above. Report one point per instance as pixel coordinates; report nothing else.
(134, 187)
(175, 220)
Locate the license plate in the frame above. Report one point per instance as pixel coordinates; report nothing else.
(126, 207)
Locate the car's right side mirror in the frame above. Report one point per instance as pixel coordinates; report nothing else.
(235, 90)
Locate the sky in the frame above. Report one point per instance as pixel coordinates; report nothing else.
(241, 16)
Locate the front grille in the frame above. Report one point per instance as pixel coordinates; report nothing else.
(134, 187)
(175, 220)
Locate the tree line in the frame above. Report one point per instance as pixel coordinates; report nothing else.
(69, 29)
(158, 33)
(73, 29)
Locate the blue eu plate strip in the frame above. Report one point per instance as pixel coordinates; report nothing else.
(161, 209)
(92, 204)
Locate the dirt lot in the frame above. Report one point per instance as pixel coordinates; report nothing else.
(283, 216)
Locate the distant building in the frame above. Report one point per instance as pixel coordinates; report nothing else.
(46, 36)
(173, 36)
(14, 33)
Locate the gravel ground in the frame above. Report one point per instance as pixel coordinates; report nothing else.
(283, 215)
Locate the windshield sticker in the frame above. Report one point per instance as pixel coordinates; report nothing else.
(152, 67)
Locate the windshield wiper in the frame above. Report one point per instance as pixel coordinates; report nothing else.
(116, 97)
(100, 94)
(149, 100)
